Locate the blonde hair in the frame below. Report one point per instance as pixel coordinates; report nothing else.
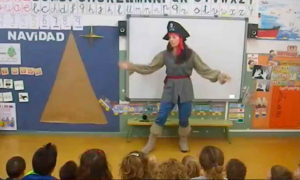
(134, 166)
(171, 169)
(191, 165)
(212, 160)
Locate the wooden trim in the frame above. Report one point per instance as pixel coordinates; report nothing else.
(193, 122)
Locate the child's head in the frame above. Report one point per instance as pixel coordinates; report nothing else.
(280, 173)
(44, 159)
(212, 160)
(171, 169)
(15, 167)
(235, 169)
(297, 173)
(68, 171)
(134, 166)
(93, 165)
(192, 166)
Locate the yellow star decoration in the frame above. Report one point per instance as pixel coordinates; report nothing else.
(91, 36)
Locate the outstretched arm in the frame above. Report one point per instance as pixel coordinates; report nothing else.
(156, 64)
(206, 72)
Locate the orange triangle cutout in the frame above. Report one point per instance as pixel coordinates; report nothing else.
(72, 99)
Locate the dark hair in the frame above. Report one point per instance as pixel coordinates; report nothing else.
(134, 166)
(185, 54)
(44, 159)
(15, 167)
(211, 160)
(93, 166)
(235, 169)
(68, 171)
(280, 173)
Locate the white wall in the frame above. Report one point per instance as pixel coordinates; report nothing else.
(253, 45)
(264, 46)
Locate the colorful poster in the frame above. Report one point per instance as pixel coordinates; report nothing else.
(236, 112)
(8, 116)
(10, 53)
(279, 19)
(252, 60)
(260, 108)
(261, 72)
(285, 75)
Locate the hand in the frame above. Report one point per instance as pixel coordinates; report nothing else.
(223, 78)
(297, 173)
(124, 65)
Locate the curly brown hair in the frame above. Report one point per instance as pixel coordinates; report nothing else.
(192, 166)
(171, 169)
(134, 166)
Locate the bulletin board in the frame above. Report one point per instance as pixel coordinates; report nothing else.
(76, 72)
(281, 107)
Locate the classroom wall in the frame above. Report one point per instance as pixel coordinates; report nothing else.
(103, 18)
(75, 74)
(253, 45)
(257, 46)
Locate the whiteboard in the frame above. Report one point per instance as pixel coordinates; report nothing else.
(220, 42)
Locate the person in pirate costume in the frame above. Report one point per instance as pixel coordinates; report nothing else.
(179, 60)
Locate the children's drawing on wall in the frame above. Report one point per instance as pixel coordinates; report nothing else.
(291, 51)
(8, 116)
(261, 72)
(19, 85)
(263, 85)
(279, 19)
(260, 107)
(252, 59)
(8, 83)
(285, 75)
(271, 61)
(7, 97)
(23, 97)
(10, 53)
